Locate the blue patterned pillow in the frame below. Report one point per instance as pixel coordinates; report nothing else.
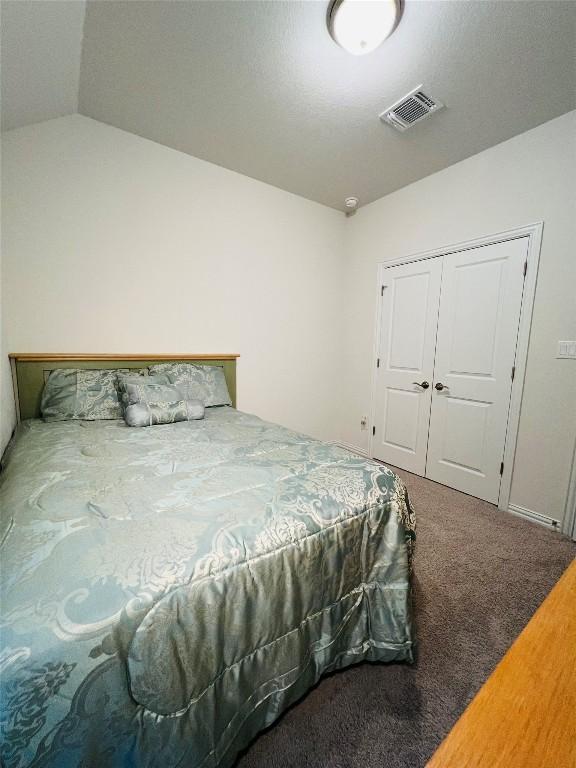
(153, 394)
(72, 393)
(203, 382)
(134, 389)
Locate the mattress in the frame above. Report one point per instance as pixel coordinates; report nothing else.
(168, 591)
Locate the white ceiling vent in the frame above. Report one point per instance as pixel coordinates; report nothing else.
(411, 109)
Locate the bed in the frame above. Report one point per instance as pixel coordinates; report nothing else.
(168, 591)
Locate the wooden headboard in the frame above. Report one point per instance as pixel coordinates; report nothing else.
(30, 371)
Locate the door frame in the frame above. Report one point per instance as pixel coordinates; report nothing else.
(569, 522)
(534, 234)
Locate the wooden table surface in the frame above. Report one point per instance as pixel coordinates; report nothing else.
(524, 716)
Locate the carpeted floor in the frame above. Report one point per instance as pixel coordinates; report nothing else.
(479, 576)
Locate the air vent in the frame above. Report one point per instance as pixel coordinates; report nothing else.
(411, 109)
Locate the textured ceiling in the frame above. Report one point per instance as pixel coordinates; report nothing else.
(261, 88)
(41, 49)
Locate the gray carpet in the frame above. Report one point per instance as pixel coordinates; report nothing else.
(479, 576)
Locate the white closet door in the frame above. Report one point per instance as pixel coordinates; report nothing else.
(404, 381)
(475, 351)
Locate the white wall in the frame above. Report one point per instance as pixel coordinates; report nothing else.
(526, 179)
(6, 394)
(113, 243)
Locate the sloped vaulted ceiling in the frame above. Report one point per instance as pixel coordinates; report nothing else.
(41, 51)
(261, 88)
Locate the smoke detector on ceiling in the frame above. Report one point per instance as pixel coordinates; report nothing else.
(411, 109)
(351, 205)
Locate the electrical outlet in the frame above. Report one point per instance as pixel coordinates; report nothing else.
(566, 350)
(364, 422)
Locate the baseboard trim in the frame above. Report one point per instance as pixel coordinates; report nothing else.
(350, 447)
(514, 509)
(535, 517)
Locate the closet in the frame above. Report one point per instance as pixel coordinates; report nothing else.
(447, 345)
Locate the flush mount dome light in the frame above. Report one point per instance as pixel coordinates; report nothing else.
(359, 26)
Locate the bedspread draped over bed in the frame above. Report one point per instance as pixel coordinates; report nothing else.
(168, 591)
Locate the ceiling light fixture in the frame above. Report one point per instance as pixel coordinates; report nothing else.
(360, 26)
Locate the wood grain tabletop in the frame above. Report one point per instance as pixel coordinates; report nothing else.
(524, 716)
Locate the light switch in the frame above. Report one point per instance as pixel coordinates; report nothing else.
(566, 349)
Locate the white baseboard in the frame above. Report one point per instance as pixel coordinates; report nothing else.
(535, 517)
(515, 509)
(351, 448)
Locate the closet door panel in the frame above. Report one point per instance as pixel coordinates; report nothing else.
(407, 337)
(476, 342)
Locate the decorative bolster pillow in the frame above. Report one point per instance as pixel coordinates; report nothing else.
(151, 414)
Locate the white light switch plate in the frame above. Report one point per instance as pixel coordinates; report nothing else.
(566, 349)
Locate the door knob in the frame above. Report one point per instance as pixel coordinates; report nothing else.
(440, 386)
(423, 384)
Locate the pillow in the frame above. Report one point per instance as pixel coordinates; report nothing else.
(134, 381)
(203, 382)
(152, 394)
(72, 393)
(148, 415)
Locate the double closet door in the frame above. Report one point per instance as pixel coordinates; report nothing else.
(449, 328)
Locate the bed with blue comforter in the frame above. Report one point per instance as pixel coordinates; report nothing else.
(168, 591)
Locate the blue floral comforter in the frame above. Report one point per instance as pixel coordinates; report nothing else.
(168, 591)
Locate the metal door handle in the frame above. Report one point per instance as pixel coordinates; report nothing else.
(440, 386)
(423, 384)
